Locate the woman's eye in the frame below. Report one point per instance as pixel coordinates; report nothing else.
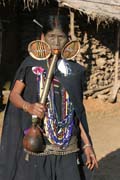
(62, 36)
(52, 36)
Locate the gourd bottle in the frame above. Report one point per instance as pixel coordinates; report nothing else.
(33, 139)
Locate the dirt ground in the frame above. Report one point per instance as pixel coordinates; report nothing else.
(104, 125)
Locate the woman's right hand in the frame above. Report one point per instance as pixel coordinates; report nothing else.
(37, 109)
(16, 99)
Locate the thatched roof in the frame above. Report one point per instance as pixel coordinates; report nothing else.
(30, 4)
(100, 9)
(104, 9)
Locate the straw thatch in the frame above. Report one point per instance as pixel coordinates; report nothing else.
(30, 4)
(103, 9)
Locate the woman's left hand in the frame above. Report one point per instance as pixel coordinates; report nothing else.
(91, 160)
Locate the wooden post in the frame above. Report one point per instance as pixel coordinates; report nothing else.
(0, 41)
(116, 86)
(72, 25)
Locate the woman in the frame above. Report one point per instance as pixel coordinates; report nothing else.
(60, 157)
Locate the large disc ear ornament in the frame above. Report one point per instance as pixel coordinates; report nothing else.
(70, 50)
(39, 50)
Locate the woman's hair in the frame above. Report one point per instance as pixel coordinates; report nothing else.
(54, 18)
(59, 21)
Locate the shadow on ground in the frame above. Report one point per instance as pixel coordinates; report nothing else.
(109, 167)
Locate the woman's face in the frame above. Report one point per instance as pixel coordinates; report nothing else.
(56, 39)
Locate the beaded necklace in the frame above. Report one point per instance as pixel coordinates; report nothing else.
(58, 130)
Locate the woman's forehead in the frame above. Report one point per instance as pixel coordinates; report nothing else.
(56, 31)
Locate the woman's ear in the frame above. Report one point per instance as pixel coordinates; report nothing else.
(42, 37)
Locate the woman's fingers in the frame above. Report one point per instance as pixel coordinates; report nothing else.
(91, 161)
(37, 109)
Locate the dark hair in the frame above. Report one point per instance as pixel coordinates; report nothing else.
(59, 21)
(54, 18)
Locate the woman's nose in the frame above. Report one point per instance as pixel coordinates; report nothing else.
(57, 43)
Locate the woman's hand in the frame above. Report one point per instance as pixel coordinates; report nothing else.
(36, 109)
(16, 98)
(91, 160)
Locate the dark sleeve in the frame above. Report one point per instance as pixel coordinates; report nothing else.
(74, 84)
(20, 75)
(76, 88)
(83, 117)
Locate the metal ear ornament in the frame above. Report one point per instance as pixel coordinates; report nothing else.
(39, 50)
(70, 50)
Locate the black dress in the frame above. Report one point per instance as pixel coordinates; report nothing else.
(13, 165)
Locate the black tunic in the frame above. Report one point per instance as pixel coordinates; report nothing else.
(12, 162)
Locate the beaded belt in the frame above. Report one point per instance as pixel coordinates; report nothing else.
(52, 149)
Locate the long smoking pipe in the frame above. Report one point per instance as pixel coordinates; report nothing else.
(49, 77)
